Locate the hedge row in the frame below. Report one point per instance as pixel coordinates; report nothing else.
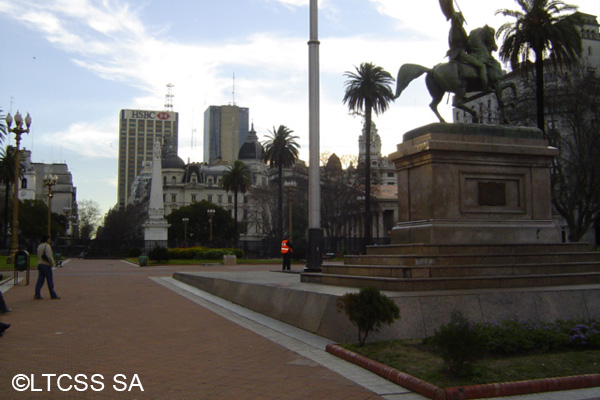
(203, 253)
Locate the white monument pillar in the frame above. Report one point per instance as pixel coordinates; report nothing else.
(156, 227)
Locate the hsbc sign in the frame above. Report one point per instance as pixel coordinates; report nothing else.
(141, 114)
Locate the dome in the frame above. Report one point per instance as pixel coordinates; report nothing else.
(173, 162)
(251, 149)
(170, 157)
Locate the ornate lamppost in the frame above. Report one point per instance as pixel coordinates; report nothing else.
(211, 214)
(185, 221)
(18, 130)
(50, 181)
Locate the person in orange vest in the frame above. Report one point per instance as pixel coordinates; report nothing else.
(286, 252)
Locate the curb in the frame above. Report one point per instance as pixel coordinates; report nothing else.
(465, 392)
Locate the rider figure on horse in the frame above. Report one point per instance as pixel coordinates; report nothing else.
(458, 40)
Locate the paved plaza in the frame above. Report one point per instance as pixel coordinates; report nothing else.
(124, 332)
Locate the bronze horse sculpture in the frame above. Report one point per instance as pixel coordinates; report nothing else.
(461, 78)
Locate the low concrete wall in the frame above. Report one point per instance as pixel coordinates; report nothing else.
(421, 313)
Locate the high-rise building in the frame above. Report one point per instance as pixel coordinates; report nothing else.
(138, 130)
(225, 131)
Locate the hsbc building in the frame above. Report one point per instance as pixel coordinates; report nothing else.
(138, 130)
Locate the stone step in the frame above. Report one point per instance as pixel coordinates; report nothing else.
(452, 283)
(471, 259)
(443, 271)
(432, 249)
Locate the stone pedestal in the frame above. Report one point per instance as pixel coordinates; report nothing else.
(474, 184)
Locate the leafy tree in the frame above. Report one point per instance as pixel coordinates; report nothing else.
(339, 191)
(123, 223)
(199, 224)
(237, 180)
(281, 150)
(33, 220)
(539, 28)
(89, 218)
(368, 310)
(367, 90)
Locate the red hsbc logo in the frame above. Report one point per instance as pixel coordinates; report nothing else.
(163, 115)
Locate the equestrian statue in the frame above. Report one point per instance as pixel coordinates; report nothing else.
(471, 67)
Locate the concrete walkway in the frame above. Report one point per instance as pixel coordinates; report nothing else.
(124, 329)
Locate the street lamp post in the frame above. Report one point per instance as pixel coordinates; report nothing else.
(185, 221)
(211, 214)
(289, 187)
(18, 130)
(50, 181)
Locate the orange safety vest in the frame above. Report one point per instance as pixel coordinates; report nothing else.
(285, 248)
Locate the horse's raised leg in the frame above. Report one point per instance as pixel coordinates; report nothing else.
(437, 94)
(459, 102)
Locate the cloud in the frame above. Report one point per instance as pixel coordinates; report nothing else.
(88, 139)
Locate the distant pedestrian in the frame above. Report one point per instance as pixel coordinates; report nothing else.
(45, 264)
(286, 252)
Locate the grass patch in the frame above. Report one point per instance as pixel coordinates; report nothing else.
(420, 360)
(4, 266)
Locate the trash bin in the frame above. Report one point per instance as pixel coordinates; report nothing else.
(21, 260)
(229, 259)
(143, 260)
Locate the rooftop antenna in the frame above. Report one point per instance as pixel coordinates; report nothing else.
(193, 141)
(233, 91)
(169, 97)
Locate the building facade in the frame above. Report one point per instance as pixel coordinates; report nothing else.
(225, 131)
(184, 184)
(138, 130)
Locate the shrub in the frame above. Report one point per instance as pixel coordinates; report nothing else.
(159, 254)
(460, 344)
(368, 310)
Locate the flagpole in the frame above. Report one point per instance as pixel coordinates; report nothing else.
(315, 235)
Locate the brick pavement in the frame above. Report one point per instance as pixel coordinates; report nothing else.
(113, 319)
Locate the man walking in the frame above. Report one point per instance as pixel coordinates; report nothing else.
(45, 263)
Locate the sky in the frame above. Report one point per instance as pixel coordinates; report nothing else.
(74, 64)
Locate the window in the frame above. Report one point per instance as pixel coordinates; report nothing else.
(24, 183)
(210, 198)
(194, 198)
(219, 198)
(173, 198)
(174, 181)
(229, 199)
(164, 181)
(210, 182)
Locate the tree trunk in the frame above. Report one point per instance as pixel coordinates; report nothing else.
(367, 218)
(539, 91)
(280, 201)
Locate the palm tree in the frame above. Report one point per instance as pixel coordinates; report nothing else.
(281, 150)
(237, 180)
(539, 29)
(367, 90)
(7, 177)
